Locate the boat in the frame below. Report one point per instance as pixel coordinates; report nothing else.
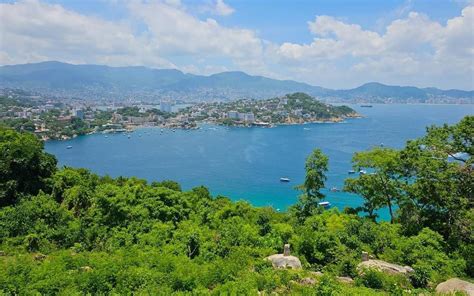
(129, 136)
(324, 204)
(335, 189)
(68, 147)
(284, 179)
(362, 172)
(351, 172)
(366, 106)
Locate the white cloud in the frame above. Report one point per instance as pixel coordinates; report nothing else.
(223, 9)
(36, 31)
(411, 50)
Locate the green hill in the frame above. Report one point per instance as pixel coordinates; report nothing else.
(68, 231)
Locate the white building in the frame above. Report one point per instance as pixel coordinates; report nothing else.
(166, 107)
(233, 115)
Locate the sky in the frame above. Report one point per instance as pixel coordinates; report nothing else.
(330, 43)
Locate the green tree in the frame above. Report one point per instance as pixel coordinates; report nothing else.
(24, 167)
(382, 187)
(440, 194)
(316, 166)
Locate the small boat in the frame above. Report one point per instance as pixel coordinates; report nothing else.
(106, 136)
(351, 172)
(366, 106)
(68, 147)
(284, 179)
(129, 136)
(324, 204)
(362, 172)
(335, 189)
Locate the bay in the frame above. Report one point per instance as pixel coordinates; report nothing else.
(247, 163)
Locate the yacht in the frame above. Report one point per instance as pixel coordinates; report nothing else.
(324, 204)
(351, 172)
(68, 147)
(362, 172)
(284, 179)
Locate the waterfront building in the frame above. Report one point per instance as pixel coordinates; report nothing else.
(233, 115)
(166, 107)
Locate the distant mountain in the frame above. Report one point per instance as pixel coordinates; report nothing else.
(377, 91)
(95, 81)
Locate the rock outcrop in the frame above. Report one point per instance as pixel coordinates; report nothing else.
(285, 260)
(384, 267)
(455, 285)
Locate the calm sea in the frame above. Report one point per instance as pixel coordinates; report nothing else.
(247, 163)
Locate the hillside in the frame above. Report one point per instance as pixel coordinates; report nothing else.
(67, 231)
(94, 81)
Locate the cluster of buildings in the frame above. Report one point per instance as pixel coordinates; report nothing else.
(247, 117)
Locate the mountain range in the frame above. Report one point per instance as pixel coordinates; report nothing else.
(97, 81)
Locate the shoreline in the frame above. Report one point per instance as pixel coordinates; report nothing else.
(130, 129)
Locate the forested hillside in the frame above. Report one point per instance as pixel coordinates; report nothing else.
(67, 231)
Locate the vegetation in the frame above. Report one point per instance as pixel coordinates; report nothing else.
(70, 232)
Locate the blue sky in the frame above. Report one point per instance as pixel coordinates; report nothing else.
(329, 43)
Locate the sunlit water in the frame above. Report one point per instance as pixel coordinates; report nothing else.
(247, 163)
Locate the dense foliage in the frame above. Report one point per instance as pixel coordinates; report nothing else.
(68, 231)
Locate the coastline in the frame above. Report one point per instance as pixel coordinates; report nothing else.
(129, 129)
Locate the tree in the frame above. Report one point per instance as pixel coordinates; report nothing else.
(316, 166)
(382, 187)
(24, 167)
(440, 193)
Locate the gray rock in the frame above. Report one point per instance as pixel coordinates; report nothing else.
(384, 267)
(455, 285)
(345, 279)
(282, 261)
(307, 281)
(40, 257)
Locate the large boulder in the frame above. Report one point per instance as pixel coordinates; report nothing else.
(455, 285)
(384, 267)
(285, 260)
(282, 261)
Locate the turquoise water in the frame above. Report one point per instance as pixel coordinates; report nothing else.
(246, 163)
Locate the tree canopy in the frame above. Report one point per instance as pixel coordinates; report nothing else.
(68, 231)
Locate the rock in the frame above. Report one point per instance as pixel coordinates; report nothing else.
(282, 261)
(345, 279)
(455, 285)
(365, 256)
(286, 250)
(307, 281)
(285, 260)
(40, 257)
(317, 273)
(86, 268)
(384, 267)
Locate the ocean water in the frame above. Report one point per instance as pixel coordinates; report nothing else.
(247, 163)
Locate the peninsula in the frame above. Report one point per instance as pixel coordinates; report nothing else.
(52, 118)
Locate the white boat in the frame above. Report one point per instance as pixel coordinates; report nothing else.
(324, 204)
(351, 172)
(68, 147)
(362, 172)
(284, 179)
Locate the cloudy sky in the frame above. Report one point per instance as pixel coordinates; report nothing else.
(331, 43)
